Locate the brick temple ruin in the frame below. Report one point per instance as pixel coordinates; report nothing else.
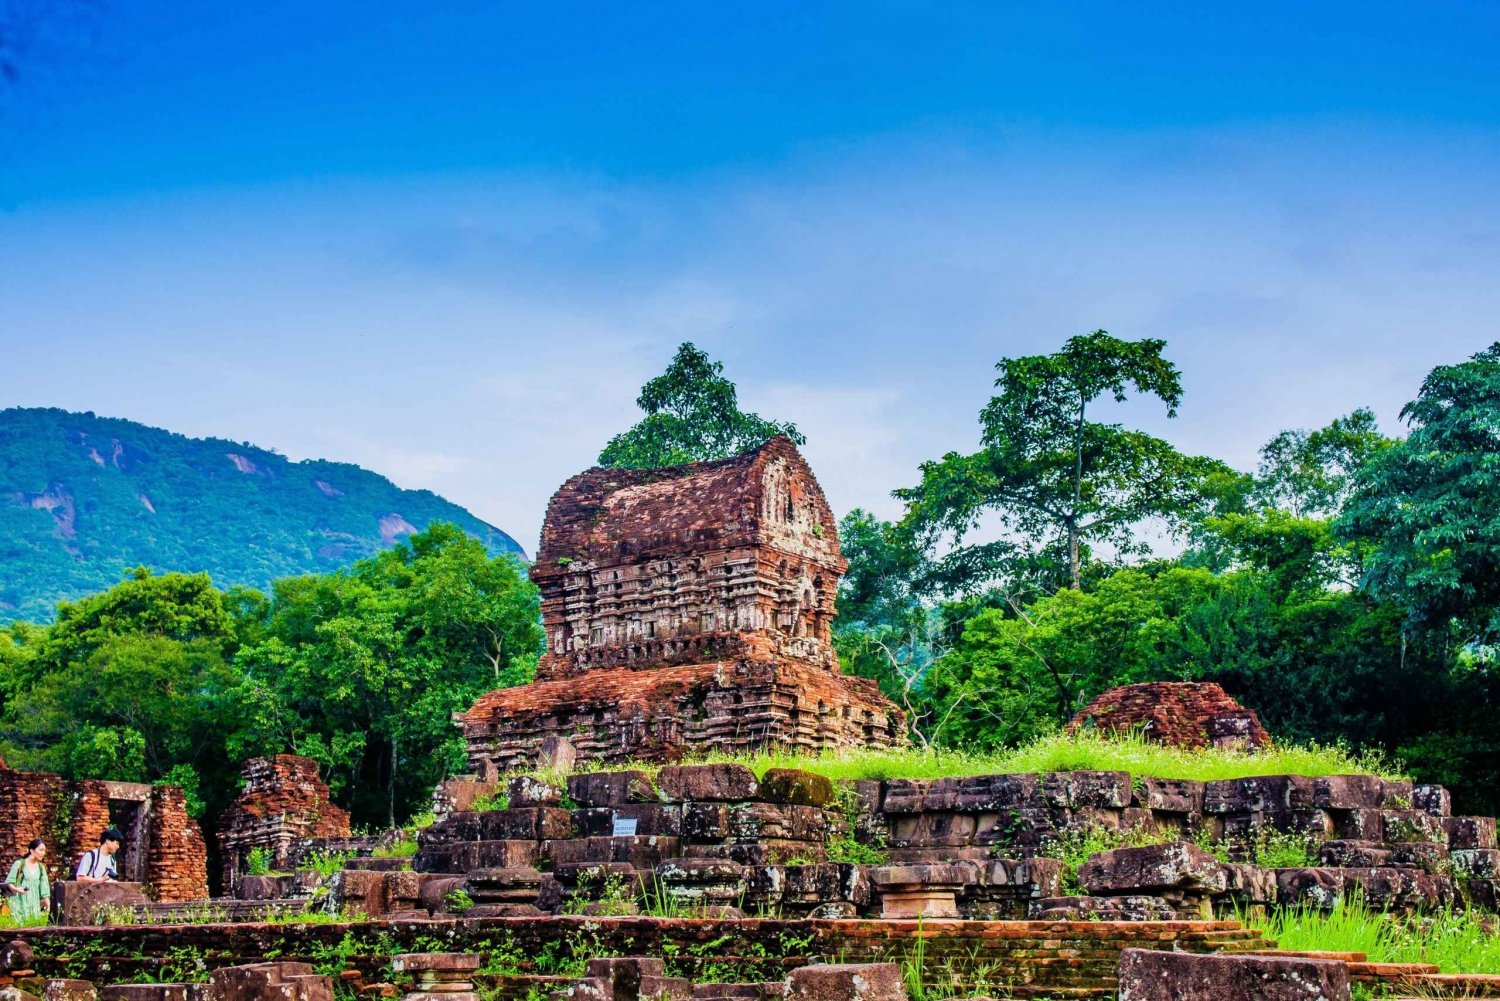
(283, 806)
(686, 608)
(164, 850)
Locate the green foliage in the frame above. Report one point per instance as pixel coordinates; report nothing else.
(185, 777)
(1085, 750)
(494, 801)
(1456, 941)
(122, 494)
(258, 862)
(1427, 505)
(1050, 476)
(848, 846)
(692, 414)
(327, 864)
(363, 669)
(458, 901)
(405, 848)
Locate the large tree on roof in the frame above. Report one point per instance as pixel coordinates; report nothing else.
(692, 415)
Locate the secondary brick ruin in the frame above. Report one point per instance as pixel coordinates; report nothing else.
(283, 804)
(686, 608)
(163, 850)
(1183, 713)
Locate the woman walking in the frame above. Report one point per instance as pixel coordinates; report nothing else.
(27, 889)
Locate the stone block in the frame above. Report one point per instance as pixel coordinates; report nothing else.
(1411, 825)
(1014, 828)
(1481, 894)
(996, 793)
(1359, 825)
(1470, 832)
(932, 830)
(623, 976)
(528, 790)
(768, 852)
(1476, 863)
(651, 819)
(796, 787)
(679, 783)
(756, 821)
(1348, 792)
(17, 954)
(666, 989)
(1086, 790)
(903, 796)
(69, 990)
(611, 788)
(1150, 868)
(705, 821)
(467, 855)
(1249, 884)
(1433, 799)
(1183, 796)
(1312, 887)
(585, 989)
(1130, 908)
(846, 982)
(1146, 975)
(1396, 794)
(77, 903)
(556, 754)
(459, 963)
(278, 981)
(536, 823)
(1258, 794)
(144, 992)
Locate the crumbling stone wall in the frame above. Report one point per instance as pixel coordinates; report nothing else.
(284, 802)
(1182, 713)
(684, 608)
(163, 844)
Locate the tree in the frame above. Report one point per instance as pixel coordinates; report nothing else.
(134, 684)
(363, 669)
(1430, 508)
(1310, 473)
(1052, 477)
(692, 415)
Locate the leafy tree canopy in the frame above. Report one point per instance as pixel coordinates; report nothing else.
(1052, 477)
(692, 415)
(1430, 507)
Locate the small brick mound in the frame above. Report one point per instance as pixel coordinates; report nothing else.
(1181, 713)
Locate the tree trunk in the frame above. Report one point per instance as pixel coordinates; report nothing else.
(390, 788)
(1077, 498)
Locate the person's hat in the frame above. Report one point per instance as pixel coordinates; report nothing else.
(112, 834)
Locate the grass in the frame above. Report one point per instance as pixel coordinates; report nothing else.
(1457, 941)
(1083, 751)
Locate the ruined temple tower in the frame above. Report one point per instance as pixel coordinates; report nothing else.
(687, 608)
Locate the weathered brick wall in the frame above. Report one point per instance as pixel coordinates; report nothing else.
(177, 864)
(284, 802)
(1183, 713)
(90, 817)
(35, 805)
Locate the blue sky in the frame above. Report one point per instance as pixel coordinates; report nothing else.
(450, 244)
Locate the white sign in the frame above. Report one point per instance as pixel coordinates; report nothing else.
(625, 827)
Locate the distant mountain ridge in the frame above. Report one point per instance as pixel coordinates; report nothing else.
(84, 498)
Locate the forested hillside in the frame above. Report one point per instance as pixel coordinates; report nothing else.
(84, 498)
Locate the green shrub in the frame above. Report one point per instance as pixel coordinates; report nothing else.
(258, 862)
(405, 848)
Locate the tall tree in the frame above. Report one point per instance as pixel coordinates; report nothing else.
(363, 669)
(1430, 505)
(1052, 477)
(1309, 474)
(692, 414)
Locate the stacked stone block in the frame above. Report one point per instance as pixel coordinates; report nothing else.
(284, 803)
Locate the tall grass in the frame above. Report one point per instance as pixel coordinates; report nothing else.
(1456, 941)
(1082, 751)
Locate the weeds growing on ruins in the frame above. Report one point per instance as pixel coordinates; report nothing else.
(1458, 941)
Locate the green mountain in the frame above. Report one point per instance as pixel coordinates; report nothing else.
(85, 498)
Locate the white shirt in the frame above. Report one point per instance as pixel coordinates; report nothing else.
(96, 864)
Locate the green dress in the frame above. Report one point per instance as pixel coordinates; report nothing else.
(31, 877)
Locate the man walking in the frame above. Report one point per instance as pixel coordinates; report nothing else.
(98, 864)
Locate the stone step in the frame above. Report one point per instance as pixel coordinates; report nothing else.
(1345, 957)
(1390, 972)
(1455, 985)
